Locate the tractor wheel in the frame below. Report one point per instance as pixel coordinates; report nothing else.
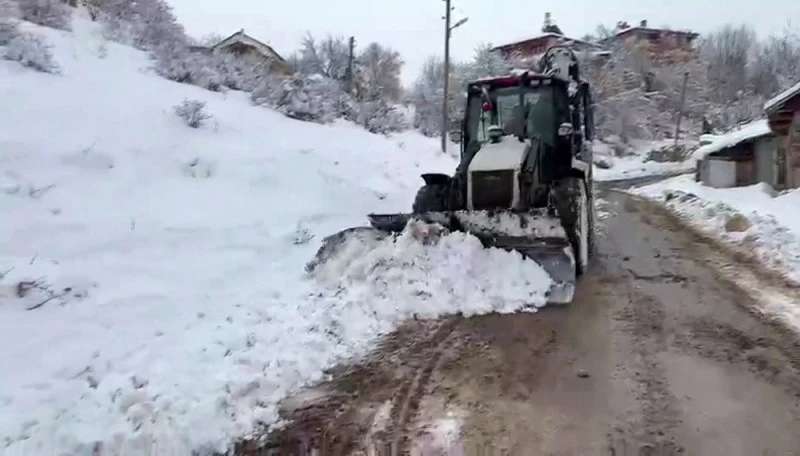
(431, 198)
(574, 208)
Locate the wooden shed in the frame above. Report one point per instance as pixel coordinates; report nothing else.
(783, 112)
(741, 157)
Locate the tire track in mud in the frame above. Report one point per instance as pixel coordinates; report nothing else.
(644, 317)
(346, 420)
(426, 358)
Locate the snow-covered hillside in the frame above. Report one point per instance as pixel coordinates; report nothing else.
(153, 297)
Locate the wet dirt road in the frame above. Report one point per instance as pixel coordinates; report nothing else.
(657, 355)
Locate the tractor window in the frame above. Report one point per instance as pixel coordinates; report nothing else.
(477, 120)
(537, 99)
(542, 116)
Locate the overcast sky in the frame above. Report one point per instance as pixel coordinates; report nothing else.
(415, 27)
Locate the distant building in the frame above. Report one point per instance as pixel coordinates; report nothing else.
(530, 49)
(659, 43)
(244, 45)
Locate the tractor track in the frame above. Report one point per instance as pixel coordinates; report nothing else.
(425, 357)
(658, 354)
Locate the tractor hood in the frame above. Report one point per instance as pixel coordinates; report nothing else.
(509, 154)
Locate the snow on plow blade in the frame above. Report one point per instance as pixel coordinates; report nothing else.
(535, 235)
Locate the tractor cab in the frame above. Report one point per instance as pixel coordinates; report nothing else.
(519, 107)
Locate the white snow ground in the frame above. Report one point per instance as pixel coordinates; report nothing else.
(181, 313)
(773, 234)
(634, 166)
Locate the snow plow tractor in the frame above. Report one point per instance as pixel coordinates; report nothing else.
(524, 181)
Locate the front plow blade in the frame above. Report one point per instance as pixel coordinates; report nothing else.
(538, 236)
(554, 255)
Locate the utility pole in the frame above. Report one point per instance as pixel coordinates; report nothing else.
(350, 59)
(680, 110)
(447, 30)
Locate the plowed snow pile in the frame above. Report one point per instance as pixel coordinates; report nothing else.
(426, 275)
(153, 298)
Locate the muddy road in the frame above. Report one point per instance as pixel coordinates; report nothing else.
(658, 354)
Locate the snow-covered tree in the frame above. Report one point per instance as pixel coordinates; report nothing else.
(426, 95)
(776, 63)
(50, 13)
(485, 63)
(727, 53)
(145, 24)
(328, 57)
(379, 74)
(9, 13)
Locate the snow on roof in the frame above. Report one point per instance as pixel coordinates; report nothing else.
(241, 37)
(774, 103)
(651, 29)
(747, 132)
(546, 35)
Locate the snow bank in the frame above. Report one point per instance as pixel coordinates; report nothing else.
(165, 307)
(608, 166)
(748, 217)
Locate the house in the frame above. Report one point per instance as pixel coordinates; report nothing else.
(530, 49)
(783, 114)
(745, 156)
(659, 43)
(242, 44)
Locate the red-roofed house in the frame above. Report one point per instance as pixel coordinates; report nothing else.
(661, 43)
(532, 47)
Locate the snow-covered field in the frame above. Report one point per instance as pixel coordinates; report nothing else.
(165, 305)
(635, 165)
(754, 218)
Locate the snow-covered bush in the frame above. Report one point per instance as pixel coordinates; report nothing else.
(302, 235)
(193, 112)
(380, 117)
(31, 51)
(240, 73)
(314, 99)
(665, 154)
(177, 64)
(144, 24)
(50, 13)
(9, 13)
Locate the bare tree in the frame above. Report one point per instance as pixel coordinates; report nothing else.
(328, 57)
(727, 52)
(379, 73)
(426, 95)
(776, 62)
